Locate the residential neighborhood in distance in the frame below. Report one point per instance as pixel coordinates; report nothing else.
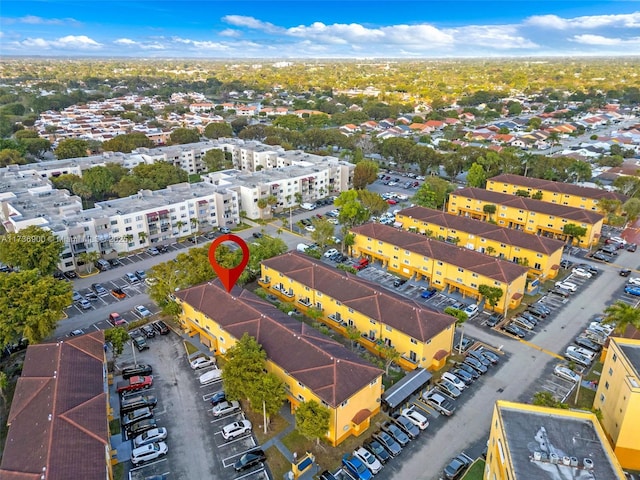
(434, 214)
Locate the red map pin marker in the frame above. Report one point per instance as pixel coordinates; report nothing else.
(228, 276)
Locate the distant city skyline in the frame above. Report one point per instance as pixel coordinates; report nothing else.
(320, 29)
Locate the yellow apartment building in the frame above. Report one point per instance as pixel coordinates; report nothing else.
(531, 216)
(445, 266)
(311, 365)
(542, 255)
(618, 398)
(422, 336)
(568, 194)
(527, 442)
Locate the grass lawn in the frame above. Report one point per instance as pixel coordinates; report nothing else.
(595, 373)
(118, 471)
(114, 426)
(190, 347)
(278, 464)
(276, 425)
(476, 471)
(585, 399)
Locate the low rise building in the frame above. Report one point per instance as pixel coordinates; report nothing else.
(560, 193)
(59, 417)
(530, 442)
(618, 399)
(311, 365)
(531, 216)
(542, 255)
(447, 267)
(422, 337)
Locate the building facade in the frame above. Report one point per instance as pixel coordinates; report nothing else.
(311, 365)
(529, 442)
(422, 337)
(445, 266)
(531, 216)
(540, 254)
(618, 398)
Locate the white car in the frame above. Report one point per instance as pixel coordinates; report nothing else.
(224, 408)
(576, 357)
(460, 385)
(202, 362)
(330, 252)
(148, 452)
(565, 372)
(333, 221)
(601, 328)
(585, 352)
(150, 436)
(581, 272)
(210, 376)
(236, 429)
(370, 461)
(310, 228)
(572, 287)
(634, 281)
(471, 310)
(142, 311)
(415, 417)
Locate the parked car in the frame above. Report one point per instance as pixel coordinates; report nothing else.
(572, 287)
(456, 467)
(523, 323)
(407, 426)
(369, 459)
(147, 453)
(513, 330)
(330, 253)
(138, 340)
(489, 355)
(225, 230)
(140, 274)
(142, 311)
(450, 377)
(494, 319)
(131, 278)
(160, 327)
(134, 402)
(84, 304)
(118, 293)
(153, 251)
(398, 282)
(388, 442)
(577, 358)
(471, 310)
(583, 341)
(142, 426)
(469, 369)
(566, 264)
(537, 311)
(590, 354)
(581, 272)
(632, 247)
(602, 256)
(327, 475)
(565, 372)
(415, 417)
(218, 397)
(560, 292)
(356, 467)
(249, 459)
(541, 306)
(439, 402)
(429, 292)
(375, 447)
(632, 290)
(235, 429)
(150, 436)
(202, 362)
(478, 356)
(463, 375)
(448, 388)
(99, 289)
(396, 432)
(148, 331)
(476, 364)
(210, 376)
(133, 370)
(225, 408)
(137, 415)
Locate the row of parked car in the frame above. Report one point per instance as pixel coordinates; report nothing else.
(589, 343)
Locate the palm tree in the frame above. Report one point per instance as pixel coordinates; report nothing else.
(298, 197)
(262, 204)
(84, 192)
(87, 259)
(143, 237)
(622, 315)
(179, 224)
(272, 201)
(128, 237)
(4, 384)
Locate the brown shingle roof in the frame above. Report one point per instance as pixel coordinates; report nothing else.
(58, 418)
(508, 236)
(490, 267)
(559, 187)
(365, 297)
(323, 365)
(562, 211)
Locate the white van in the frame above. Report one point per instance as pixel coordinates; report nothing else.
(302, 247)
(210, 376)
(308, 206)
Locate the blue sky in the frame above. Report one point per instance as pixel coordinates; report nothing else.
(319, 29)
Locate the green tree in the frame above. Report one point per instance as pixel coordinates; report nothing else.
(290, 122)
(31, 305)
(181, 136)
(622, 315)
(573, 231)
(490, 210)
(31, 248)
(632, 209)
(459, 314)
(373, 202)
(8, 156)
(352, 212)
(127, 142)
(72, 148)
(127, 186)
(433, 193)
(609, 207)
(65, 181)
(389, 353)
(546, 399)
(118, 338)
(244, 366)
(627, 185)
(216, 160)
(4, 384)
(87, 259)
(99, 180)
(398, 149)
(365, 173)
(476, 176)
(312, 420)
(491, 294)
(270, 390)
(262, 204)
(36, 146)
(323, 232)
(353, 334)
(159, 175)
(218, 130)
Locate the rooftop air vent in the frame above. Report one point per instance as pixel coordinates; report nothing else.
(587, 463)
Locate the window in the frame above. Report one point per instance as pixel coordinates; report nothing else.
(614, 357)
(414, 341)
(344, 404)
(461, 270)
(606, 385)
(610, 371)
(602, 398)
(127, 221)
(388, 328)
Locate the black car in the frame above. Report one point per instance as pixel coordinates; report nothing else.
(513, 330)
(114, 262)
(71, 275)
(162, 248)
(602, 256)
(469, 369)
(148, 331)
(398, 282)
(536, 311)
(396, 432)
(388, 442)
(456, 467)
(561, 292)
(632, 247)
(625, 272)
(141, 426)
(375, 447)
(494, 319)
(218, 398)
(250, 459)
(327, 475)
(587, 343)
(134, 370)
(160, 327)
(529, 318)
(58, 275)
(476, 364)
(257, 235)
(566, 264)
(139, 341)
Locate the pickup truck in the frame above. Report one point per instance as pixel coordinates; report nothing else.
(134, 383)
(439, 402)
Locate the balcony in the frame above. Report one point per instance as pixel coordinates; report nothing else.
(335, 317)
(305, 301)
(284, 291)
(264, 282)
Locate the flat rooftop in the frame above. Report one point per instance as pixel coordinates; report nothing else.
(632, 352)
(569, 435)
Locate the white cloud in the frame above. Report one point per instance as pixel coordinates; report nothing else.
(125, 41)
(605, 41)
(202, 44)
(503, 37)
(35, 20)
(70, 42)
(230, 32)
(251, 22)
(626, 20)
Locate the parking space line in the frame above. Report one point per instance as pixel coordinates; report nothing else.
(148, 464)
(224, 460)
(260, 470)
(217, 419)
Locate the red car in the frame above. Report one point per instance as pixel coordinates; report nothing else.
(115, 319)
(361, 264)
(391, 201)
(135, 383)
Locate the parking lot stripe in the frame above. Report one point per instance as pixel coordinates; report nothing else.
(261, 470)
(148, 464)
(543, 350)
(237, 455)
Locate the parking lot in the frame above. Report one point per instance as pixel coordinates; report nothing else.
(196, 448)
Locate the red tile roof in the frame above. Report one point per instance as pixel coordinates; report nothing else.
(539, 206)
(58, 418)
(559, 187)
(508, 236)
(365, 297)
(320, 363)
(490, 267)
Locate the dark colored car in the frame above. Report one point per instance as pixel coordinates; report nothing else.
(592, 269)
(587, 343)
(529, 318)
(250, 459)
(160, 327)
(537, 311)
(114, 262)
(218, 397)
(542, 306)
(463, 375)
(407, 426)
(378, 450)
(561, 292)
(162, 248)
(602, 256)
(429, 292)
(134, 370)
(398, 282)
(478, 356)
(469, 369)
(58, 275)
(566, 264)
(396, 432)
(632, 247)
(139, 341)
(327, 475)
(70, 275)
(456, 467)
(141, 427)
(388, 442)
(148, 331)
(625, 272)
(492, 357)
(494, 319)
(257, 235)
(513, 330)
